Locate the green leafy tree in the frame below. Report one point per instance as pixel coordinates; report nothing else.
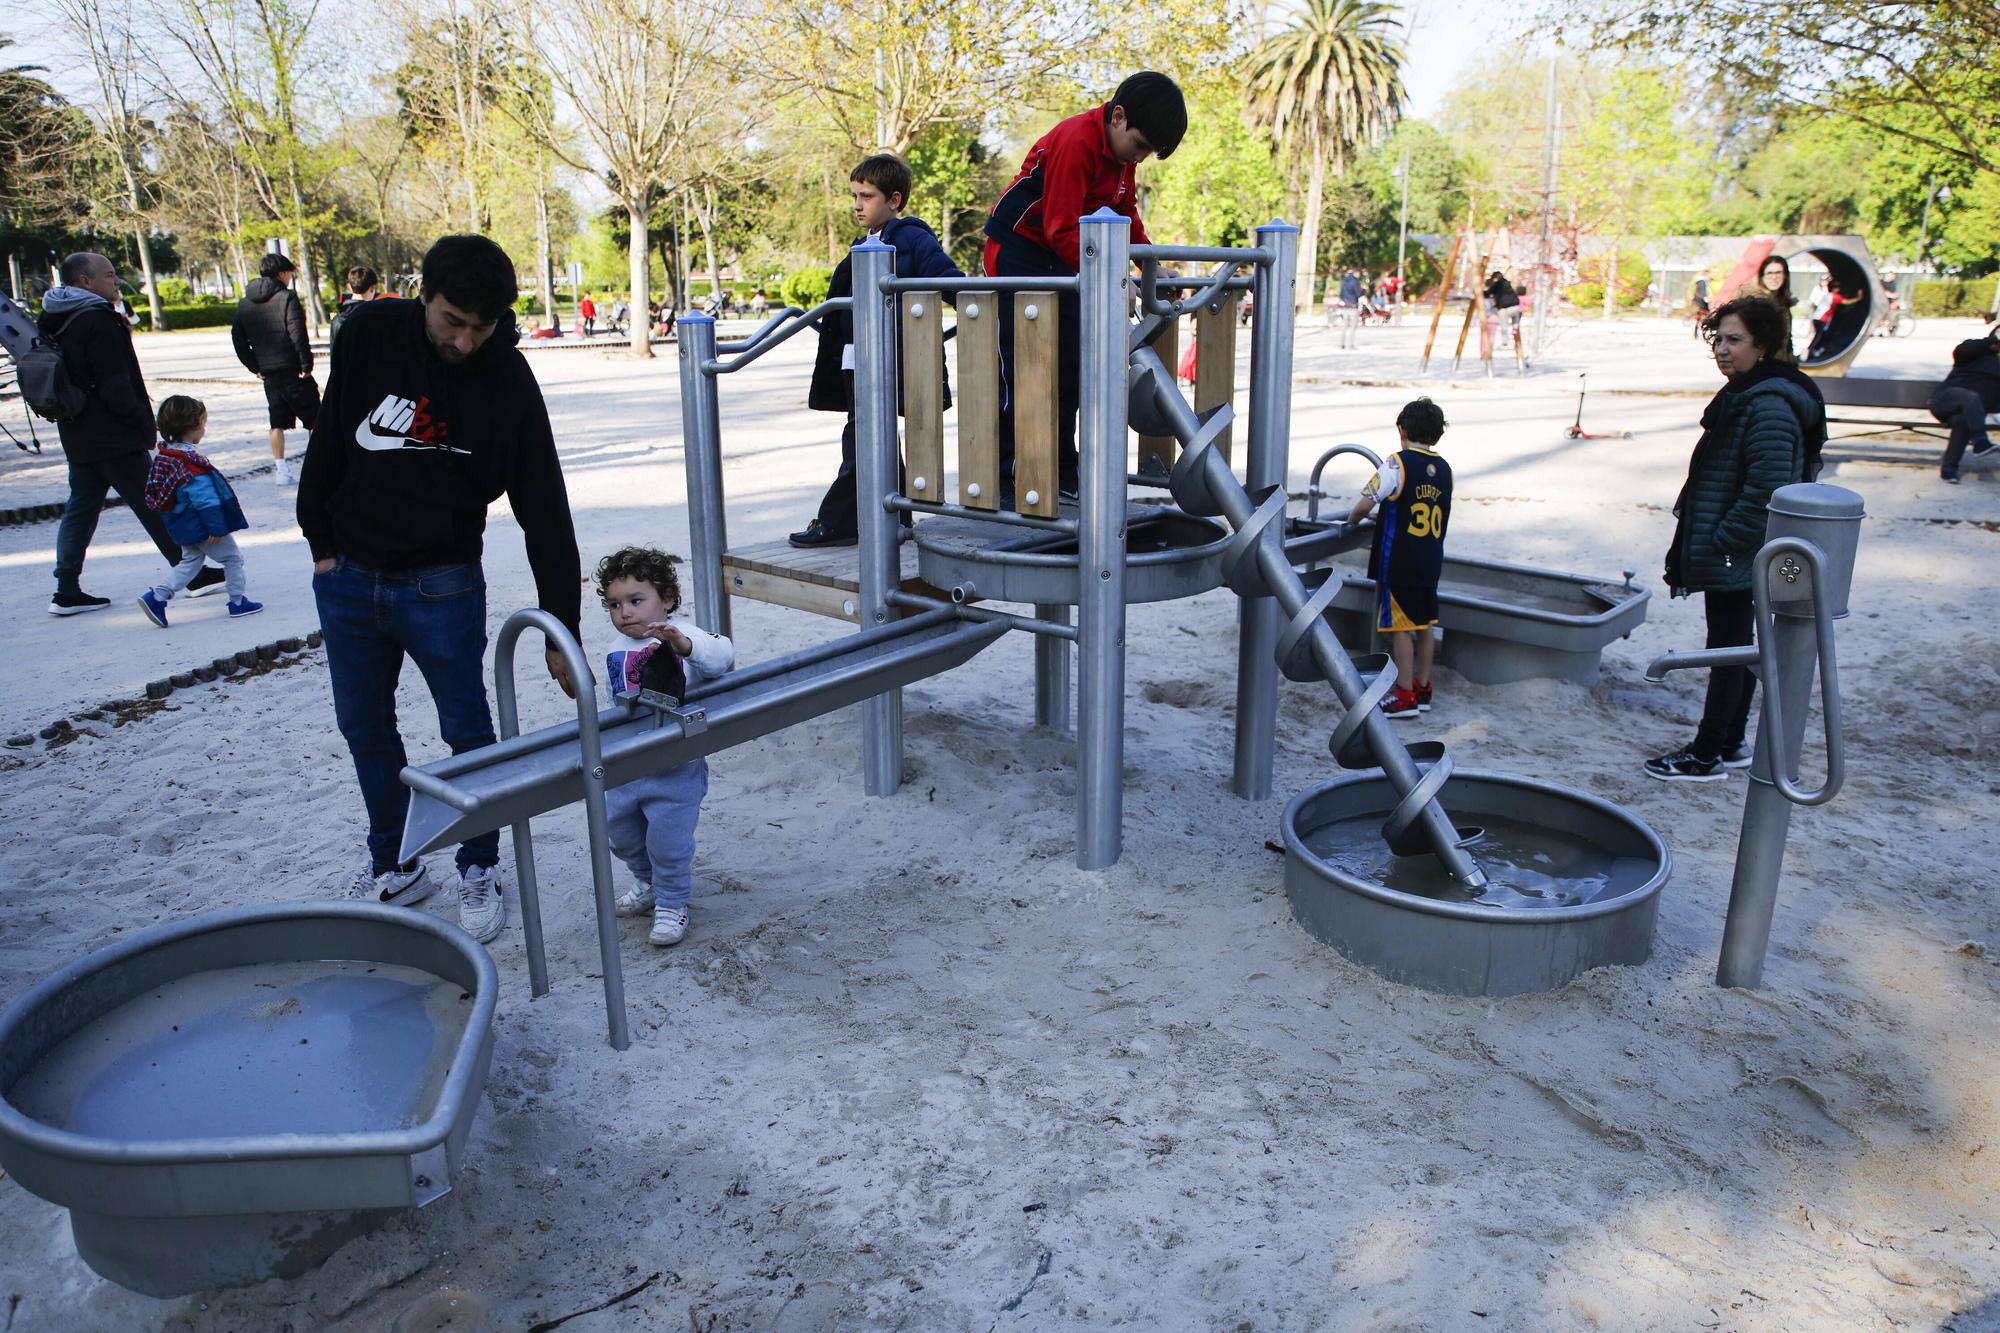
(1326, 86)
(1222, 181)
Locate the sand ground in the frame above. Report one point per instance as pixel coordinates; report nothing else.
(912, 1069)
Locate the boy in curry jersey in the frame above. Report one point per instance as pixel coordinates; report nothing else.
(1413, 487)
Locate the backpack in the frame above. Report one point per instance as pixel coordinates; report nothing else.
(46, 384)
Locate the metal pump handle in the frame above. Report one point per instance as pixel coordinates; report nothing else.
(1313, 492)
(1829, 675)
(590, 755)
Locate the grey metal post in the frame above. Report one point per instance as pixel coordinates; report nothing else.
(875, 479)
(1259, 619)
(1105, 251)
(701, 447)
(1052, 659)
(590, 753)
(1800, 581)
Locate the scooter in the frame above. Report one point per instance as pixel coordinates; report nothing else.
(1576, 430)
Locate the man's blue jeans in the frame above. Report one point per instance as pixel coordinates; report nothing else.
(371, 619)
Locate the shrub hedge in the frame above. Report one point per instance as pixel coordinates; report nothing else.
(1950, 298)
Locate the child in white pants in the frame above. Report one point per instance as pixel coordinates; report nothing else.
(651, 820)
(201, 511)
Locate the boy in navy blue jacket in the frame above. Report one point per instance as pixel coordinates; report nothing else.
(881, 189)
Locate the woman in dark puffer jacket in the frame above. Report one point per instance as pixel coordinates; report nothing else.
(1762, 431)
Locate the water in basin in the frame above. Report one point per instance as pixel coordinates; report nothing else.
(280, 1048)
(1527, 866)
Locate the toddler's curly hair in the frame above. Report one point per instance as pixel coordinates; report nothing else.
(179, 414)
(647, 565)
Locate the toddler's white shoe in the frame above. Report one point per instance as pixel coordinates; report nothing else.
(398, 886)
(670, 926)
(635, 901)
(482, 911)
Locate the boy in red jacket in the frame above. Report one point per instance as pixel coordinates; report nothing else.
(1085, 163)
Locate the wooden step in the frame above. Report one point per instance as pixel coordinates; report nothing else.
(825, 581)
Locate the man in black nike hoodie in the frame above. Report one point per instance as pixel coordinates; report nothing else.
(430, 415)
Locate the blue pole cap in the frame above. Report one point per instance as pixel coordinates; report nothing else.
(1107, 217)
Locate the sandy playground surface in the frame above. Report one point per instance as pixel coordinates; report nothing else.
(912, 1069)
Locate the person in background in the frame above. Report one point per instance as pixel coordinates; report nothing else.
(1344, 309)
(1757, 434)
(1774, 284)
(586, 313)
(1968, 394)
(200, 509)
(1506, 304)
(107, 444)
(270, 336)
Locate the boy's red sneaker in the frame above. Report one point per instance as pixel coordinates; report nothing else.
(1423, 696)
(1401, 704)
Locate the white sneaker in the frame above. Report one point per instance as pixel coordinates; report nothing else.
(398, 887)
(670, 926)
(482, 911)
(635, 901)
(282, 471)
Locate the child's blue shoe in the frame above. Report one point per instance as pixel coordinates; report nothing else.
(241, 606)
(155, 609)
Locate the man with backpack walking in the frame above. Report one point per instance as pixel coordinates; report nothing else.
(271, 342)
(85, 377)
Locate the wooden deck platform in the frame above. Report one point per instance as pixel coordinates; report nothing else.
(826, 582)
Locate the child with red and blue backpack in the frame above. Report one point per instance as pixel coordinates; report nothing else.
(199, 507)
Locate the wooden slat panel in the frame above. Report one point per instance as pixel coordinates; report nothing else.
(1215, 361)
(1035, 403)
(923, 395)
(979, 399)
(1156, 452)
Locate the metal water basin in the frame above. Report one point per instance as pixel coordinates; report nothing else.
(231, 1098)
(1169, 555)
(1575, 884)
(1502, 622)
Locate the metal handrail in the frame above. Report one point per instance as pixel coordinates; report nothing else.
(745, 344)
(1829, 674)
(1313, 492)
(762, 341)
(590, 753)
(1053, 282)
(1203, 254)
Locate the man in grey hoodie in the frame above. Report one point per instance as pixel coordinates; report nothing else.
(107, 444)
(270, 336)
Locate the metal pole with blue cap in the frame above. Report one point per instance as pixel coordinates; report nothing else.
(701, 449)
(1105, 267)
(875, 476)
(1260, 618)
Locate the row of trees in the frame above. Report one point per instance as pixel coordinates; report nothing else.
(724, 131)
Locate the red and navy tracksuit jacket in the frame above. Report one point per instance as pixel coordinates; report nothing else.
(1069, 173)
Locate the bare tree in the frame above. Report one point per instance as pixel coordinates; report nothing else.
(207, 191)
(104, 29)
(252, 56)
(641, 76)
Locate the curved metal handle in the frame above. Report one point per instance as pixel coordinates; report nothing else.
(1773, 732)
(579, 672)
(1313, 492)
(1152, 303)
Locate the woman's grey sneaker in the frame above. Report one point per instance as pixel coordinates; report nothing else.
(76, 603)
(401, 886)
(1737, 758)
(1685, 766)
(482, 911)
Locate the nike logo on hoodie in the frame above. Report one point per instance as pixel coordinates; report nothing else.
(403, 425)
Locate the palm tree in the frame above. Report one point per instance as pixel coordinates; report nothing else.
(1326, 85)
